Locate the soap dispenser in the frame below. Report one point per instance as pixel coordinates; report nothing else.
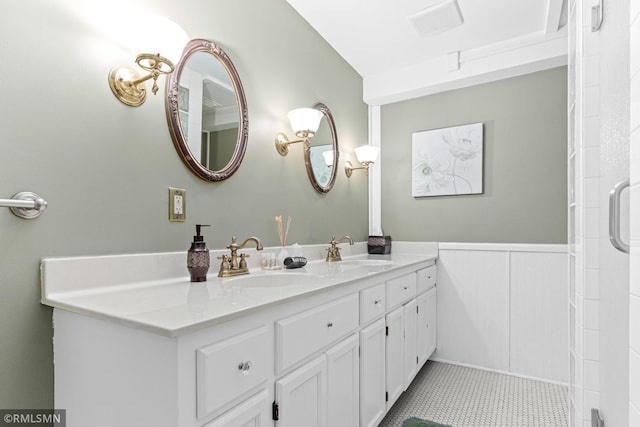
(198, 259)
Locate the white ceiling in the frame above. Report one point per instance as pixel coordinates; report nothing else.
(377, 39)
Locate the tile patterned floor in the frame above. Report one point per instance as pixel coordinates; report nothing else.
(467, 397)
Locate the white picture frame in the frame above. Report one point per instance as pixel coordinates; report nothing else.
(447, 161)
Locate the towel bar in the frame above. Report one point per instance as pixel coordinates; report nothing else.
(25, 204)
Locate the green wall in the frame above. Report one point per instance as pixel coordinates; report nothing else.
(525, 163)
(66, 137)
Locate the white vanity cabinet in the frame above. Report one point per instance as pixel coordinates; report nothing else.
(334, 356)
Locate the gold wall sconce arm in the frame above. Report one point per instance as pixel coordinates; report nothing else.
(305, 123)
(349, 168)
(158, 43)
(126, 83)
(366, 155)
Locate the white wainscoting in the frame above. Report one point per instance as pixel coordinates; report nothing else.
(504, 307)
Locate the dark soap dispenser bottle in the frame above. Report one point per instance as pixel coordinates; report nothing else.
(198, 259)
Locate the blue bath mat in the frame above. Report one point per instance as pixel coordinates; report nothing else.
(417, 422)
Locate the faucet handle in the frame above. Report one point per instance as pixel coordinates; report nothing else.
(243, 261)
(225, 262)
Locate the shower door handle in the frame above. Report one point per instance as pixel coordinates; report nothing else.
(614, 216)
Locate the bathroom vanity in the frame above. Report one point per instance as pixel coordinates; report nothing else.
(332, 344)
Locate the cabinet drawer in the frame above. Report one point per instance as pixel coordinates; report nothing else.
(228, 369)
(372, 303)
(303, 334)
(427, 278)
(400, 290)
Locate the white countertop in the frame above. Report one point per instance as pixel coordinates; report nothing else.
(167, 303)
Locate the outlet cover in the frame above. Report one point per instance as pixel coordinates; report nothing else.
(177, 204)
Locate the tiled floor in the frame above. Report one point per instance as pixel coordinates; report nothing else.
(466, 397)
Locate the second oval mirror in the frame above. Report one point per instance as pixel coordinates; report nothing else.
(207, 111)
(322, 153)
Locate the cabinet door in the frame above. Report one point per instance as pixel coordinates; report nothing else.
(426, 325)
(302, 396)
(394, 355)
(431, 317)
(410, 365)
(343, 364)
(372, 381)
(253, 412)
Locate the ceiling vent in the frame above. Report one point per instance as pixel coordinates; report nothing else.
(437, 18)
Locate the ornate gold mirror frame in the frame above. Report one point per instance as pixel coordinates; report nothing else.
(175, 94)
(322, 177)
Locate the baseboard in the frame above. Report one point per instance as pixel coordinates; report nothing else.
(498, 371)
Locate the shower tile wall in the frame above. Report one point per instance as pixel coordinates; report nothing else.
(634, 306)
(584, 183)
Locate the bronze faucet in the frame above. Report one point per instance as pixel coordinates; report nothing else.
(333, 253)
(230, 266)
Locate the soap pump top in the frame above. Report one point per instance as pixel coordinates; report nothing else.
(198, 237)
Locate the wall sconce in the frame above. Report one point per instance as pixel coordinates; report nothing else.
(328, 158)
(158, 43)
(366, 155)
(304, 122)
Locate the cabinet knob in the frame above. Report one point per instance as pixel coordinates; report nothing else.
(244, 367)
(377, 302)
(330, 325)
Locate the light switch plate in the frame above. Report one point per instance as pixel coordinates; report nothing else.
(177, 204)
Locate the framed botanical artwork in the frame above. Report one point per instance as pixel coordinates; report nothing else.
(447, 161)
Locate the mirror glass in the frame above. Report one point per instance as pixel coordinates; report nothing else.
(321, 149)
(207, 111)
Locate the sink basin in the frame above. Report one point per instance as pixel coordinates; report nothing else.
(366, 262)
(273, 280)
(349, 268)
(371, 265)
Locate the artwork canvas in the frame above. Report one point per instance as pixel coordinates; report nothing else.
(447, 161)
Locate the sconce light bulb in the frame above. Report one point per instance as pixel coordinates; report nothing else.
(305, 121)
(367, 154)
(328, 157)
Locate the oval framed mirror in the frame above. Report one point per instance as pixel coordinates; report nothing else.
(321, 153)
(207, 111)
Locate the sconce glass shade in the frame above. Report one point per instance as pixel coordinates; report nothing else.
(366, 153)
(305, 121)
(328, 157)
